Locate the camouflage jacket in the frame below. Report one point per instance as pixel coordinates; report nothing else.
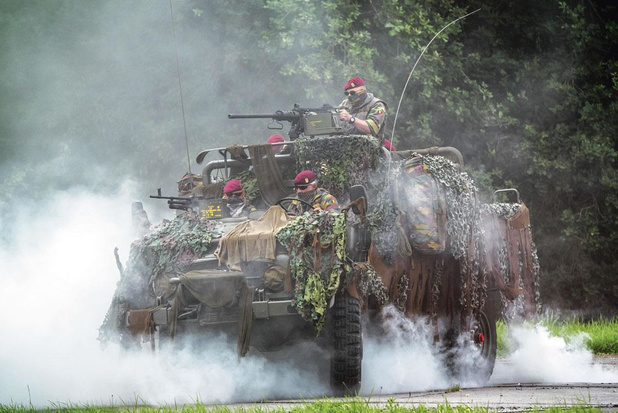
(241, 210)
(372, 110)
(322, 199)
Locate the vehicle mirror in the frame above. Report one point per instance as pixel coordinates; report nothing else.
(506, 191)
(356, 192)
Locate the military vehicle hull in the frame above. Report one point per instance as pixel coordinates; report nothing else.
(418, 241)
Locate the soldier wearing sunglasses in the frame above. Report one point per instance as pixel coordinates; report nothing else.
(364, 113)
(237, 202)
(307, 190)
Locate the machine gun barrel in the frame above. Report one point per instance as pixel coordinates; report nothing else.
(298, 117)
(175, 202)
(290, 115)
(264, 116)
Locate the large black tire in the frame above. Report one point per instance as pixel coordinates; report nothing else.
(347, 356)
(485, 340)
(470, 353)
(485, 324)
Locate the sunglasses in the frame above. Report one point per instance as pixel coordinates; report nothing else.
(351, 92)
(301, 187)
(234, 194)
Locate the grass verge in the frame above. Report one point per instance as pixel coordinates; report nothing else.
(601, 339)
(356, 404)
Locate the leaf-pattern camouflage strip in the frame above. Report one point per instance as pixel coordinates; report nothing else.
(310, 234)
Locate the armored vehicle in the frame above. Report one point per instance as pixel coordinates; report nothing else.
(412, 235)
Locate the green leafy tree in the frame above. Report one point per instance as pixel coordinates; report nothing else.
(526, 90)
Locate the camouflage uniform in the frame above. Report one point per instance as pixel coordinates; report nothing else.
(322, 199)
(372, 110)
(241, 210)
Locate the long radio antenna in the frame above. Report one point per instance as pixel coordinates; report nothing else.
(182, 103)
(414, 67)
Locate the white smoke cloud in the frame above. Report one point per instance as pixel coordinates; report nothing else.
(58, 277)
(540, 357)
(404, 359)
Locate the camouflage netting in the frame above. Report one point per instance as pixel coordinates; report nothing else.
(386, 231)
(417, 280)
(463, 227)
(167, 250)
(339, 161)
(343, 163)
(318, 261)
(518, 307)
(466, 237)
(369, 284)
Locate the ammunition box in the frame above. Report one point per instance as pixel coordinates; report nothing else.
(326, 123)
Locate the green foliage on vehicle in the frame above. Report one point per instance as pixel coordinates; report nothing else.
(318, 261)
(338, 161)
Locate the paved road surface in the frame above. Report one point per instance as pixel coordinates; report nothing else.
(503, 395)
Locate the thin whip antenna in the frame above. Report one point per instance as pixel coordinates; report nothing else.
(182, 102)
(414, 67)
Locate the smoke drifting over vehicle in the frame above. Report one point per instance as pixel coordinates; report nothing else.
(404, 359)
(90, 93)
(59, 276)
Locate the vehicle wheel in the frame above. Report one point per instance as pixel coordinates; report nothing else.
(347, 356)
(484, 340)
(470, 354)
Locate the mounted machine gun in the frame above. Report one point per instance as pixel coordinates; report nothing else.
(304, 121)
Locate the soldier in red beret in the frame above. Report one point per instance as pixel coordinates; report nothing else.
(388, 145)
(363, 112)
(307, 190)
(237, 201)
(276, 139)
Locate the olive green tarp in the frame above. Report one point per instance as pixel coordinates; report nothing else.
(266, 170)
(252, 240)
(216, 288)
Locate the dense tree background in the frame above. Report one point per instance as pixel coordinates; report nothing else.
(526, 90)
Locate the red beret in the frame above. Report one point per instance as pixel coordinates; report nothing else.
(233, 185)
(388, 145)
(275, 139)
(354, 82)
(304, 178)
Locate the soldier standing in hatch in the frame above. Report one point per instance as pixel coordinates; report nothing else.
(307, 190)
(365, 114)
